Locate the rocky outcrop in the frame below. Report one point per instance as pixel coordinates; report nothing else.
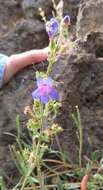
(17, 34)
(81, 76)
(71, 7)
(31, 8)
(81, 73)
(26, 35)
(89, 18)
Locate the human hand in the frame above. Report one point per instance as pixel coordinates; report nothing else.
(18, 61)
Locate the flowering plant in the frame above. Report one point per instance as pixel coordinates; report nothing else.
(41, 125)
(45, 90)
(40, 166)
(59, 43)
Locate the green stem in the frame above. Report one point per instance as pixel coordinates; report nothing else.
(81, 146)
(80, 136)
(51, 62)
(40, 177)
(60, 148)
(26, 178)
(38, 151)
(77, 120)
(53, 46)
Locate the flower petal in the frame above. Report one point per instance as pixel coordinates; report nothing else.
(54, 95)
(39, 82)
(42, 81)
(52, 27)
(66, 19)
(44, 99)
(35, 94)
(49, 81)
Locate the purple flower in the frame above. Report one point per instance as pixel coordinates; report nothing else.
(45, 90)
(52, 27)
(66, 19)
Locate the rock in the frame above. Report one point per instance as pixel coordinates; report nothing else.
(30, 8)
(94, 43)
(6, 8)
(71, 7)
(26, 35)
(13, 99)
(81, 76)
(89, 18)
(17, 35)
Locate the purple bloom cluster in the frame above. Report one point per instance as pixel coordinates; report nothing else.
(45, 90)
(52, 27)
(66, 19)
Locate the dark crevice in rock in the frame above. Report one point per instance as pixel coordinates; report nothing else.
(94, 44)
(99, 51)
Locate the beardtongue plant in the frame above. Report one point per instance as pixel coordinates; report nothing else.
(32, 154)
(59, 43)
(30, 157)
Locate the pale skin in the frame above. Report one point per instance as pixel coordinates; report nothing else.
(17, 62)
